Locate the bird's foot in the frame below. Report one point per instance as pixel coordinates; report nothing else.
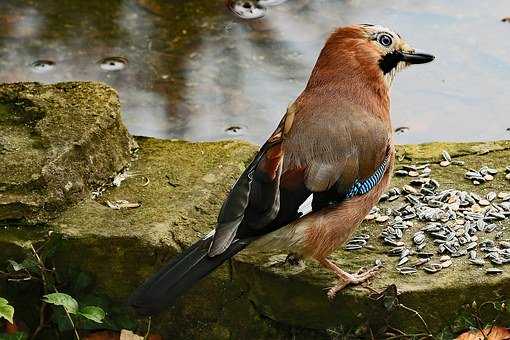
(346, 279)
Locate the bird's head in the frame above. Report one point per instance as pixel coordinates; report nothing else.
(392, 52)
(370, 53)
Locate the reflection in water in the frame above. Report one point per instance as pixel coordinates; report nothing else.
(196, 71)
(113, 63)
(42, 66)
(246, 9)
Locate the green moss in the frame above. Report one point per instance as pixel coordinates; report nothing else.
(59, 143)
(181, 186)
(431, 152)
(5, 111)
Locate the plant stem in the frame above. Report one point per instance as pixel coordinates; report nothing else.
(419, 316)
(72, 323)
(148, 329)
(42, 267)
(41, 322)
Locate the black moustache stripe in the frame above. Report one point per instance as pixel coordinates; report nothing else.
(390, 61)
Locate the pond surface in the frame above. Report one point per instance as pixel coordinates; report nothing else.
(191, 69)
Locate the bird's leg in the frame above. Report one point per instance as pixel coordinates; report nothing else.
(345, 278)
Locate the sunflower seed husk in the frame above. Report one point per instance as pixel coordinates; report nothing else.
(351, 247)
(414, 173)
(424, 254)
(491, 196)
(432, 267)
(401, 173)
(421, 262)
(382, 218)
(504, 196)
(494, 271)
(484, 202)
(471, 246)
(504, 244)
(403, 260)
(407, 270)
(409, 167)
(477, 262)
(446, 156)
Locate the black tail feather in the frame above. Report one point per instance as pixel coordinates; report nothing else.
(177, 276)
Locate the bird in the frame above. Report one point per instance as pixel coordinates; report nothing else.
(333, 152)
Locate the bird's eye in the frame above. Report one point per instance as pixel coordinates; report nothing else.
(385, 40)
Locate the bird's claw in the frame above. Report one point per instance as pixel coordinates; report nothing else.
(352, 279)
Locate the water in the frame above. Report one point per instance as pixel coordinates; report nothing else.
(192, 70)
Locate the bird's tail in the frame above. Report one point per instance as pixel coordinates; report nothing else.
(177, 276)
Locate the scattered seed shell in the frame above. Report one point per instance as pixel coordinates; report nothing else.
(382, 218)
(447, 263)
(493, 271)
(407, 270)
(414, 173)
(432, 268)
(446, 156)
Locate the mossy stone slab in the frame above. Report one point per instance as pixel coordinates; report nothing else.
(180, 187)
(57, 143)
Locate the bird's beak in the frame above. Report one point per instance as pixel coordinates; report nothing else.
(417, 58)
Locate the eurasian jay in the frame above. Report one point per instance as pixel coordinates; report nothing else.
(334, 144)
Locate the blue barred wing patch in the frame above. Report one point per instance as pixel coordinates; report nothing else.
(361, 187)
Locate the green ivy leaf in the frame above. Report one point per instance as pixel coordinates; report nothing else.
(6, 310)
(94, 313)
(64, 300)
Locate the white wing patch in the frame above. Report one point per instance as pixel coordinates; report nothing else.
(306, 207)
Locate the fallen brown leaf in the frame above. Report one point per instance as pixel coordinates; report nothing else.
(103, 335)
(11, 328)
(494, 333)
(128, 335)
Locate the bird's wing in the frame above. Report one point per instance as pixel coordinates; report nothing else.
(340, 148)
(254, 199)
(323, 154)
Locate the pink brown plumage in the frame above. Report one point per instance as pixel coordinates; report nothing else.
(334, 146)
